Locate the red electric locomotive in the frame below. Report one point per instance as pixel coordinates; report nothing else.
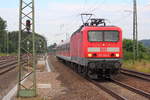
(94, 50)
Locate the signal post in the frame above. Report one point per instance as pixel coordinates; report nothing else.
(26, 78)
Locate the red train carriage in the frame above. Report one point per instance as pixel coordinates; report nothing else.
(95, 50)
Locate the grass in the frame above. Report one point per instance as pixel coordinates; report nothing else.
(36, 98)
(4, 54)
(141, 66)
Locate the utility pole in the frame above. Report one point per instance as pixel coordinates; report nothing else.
(7, 36)
(135, 32)
(26, 78)
(6, 43)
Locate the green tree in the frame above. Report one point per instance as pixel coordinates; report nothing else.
(40, 42)
(3, 34)
(128, 50)
(3, 24)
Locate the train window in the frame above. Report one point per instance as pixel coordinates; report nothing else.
(107, 36)
(95, 36)
(111, 36)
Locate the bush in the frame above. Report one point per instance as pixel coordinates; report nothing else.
(144, 52)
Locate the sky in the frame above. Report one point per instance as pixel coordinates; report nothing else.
(58, 19)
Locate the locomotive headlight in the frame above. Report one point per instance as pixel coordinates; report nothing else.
(89, 55)
(117, 55)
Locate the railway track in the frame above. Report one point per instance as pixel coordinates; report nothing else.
(138, 91)
(8, 65)
(6, 57)
(135, 90)
(104, 86)
(2, 62)
(122, 96)
(112, 93)
(136, 74)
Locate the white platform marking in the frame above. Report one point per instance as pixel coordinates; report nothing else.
(12, 92)
(44, 86)
(47, 65)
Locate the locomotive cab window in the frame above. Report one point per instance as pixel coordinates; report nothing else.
(95, 36)
(105, 36)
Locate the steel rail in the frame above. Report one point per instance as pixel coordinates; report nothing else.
(136, 74)
(138, 91)
(8, 64)
(6, 61)
(3, 71)
(7, 69)
(6, 57)
(112, 93)
(141, 73)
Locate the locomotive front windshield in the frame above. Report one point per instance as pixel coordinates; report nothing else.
(105, 36)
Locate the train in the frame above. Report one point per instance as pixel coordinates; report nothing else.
(93, 50)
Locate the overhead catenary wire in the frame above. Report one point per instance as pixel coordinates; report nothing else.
(95, 7)
(70, 25)
(84, 5)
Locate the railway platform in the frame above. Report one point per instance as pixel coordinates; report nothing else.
(45, 80)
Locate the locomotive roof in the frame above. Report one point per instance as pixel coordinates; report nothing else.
(77, 31)
(81, 27)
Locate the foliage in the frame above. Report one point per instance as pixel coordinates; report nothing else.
(128, 50)
(26, 37)
(3, 24)
(10, 40)
(2, 35)
(141, 66)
